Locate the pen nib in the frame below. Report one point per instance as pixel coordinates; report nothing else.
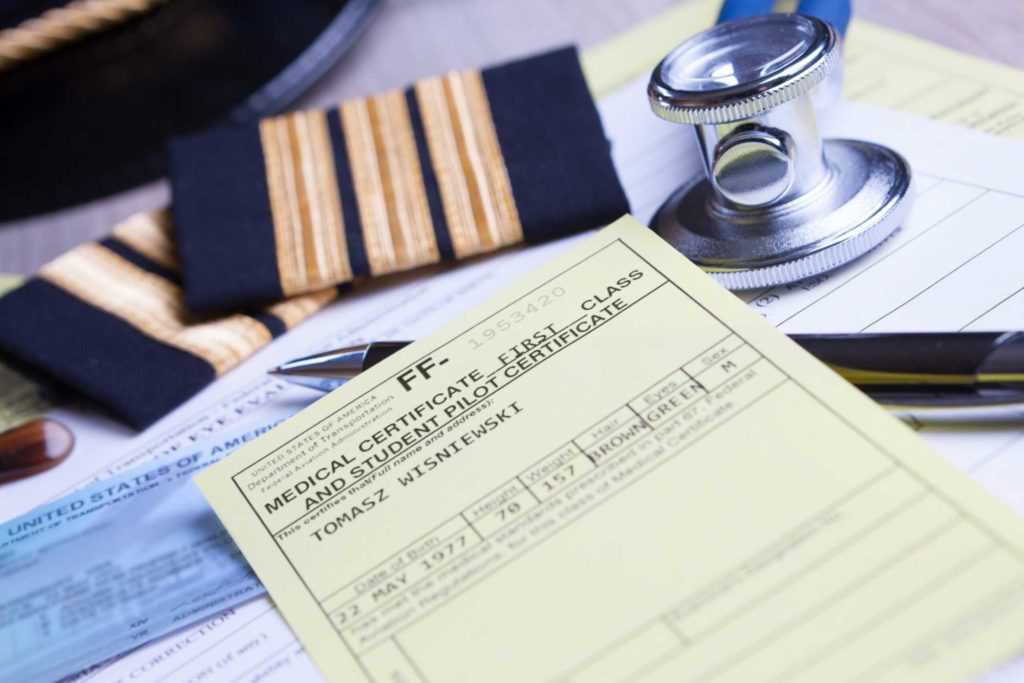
(324, 371)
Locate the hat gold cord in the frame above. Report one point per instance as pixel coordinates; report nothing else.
(57, 27)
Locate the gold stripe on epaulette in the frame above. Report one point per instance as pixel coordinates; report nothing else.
(150, 234)
(305, 203)
(475, 189)
(293, 311)
(153, 306)
(398, 232)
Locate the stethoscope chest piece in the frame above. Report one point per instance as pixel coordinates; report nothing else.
(776, 203)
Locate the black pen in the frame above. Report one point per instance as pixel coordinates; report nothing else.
(908, 371)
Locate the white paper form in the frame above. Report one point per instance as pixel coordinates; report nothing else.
(249, 643)
(954, 265)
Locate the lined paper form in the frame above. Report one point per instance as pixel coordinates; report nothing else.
(954, 265)
(948, 269)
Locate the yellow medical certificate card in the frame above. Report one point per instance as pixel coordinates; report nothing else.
(617, 472)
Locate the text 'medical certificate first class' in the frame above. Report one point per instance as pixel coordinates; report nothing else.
(616, 471)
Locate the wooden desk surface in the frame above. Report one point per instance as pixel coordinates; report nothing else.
(414, 38)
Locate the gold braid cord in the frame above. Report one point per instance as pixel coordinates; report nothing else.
(58, 27)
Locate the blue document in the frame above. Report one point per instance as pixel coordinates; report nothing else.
(112, 566)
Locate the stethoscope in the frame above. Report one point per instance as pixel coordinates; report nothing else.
(776, 203)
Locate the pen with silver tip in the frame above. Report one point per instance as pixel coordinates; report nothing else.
(907, 371)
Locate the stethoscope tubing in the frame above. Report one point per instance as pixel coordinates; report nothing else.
(835, 12)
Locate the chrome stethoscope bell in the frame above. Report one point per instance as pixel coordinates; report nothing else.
(776, 205)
